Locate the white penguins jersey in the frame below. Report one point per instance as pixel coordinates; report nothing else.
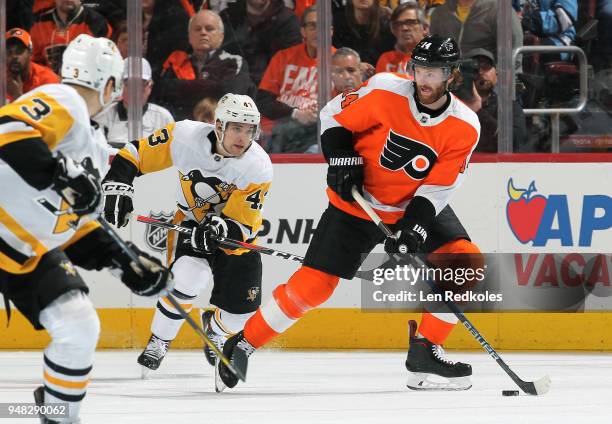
(207, 182)
(34, 221)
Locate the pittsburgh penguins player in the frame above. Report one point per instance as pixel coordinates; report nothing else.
(222, 181)
(50, 162)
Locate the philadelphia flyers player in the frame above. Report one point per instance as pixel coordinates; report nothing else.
(405, 143)
(51, 158)
(223, 178)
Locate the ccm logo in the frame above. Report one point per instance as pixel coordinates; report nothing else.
(350, 161)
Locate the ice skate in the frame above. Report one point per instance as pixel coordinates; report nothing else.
(154, 353)
(428, 368)
(237, 349)
(217, 339)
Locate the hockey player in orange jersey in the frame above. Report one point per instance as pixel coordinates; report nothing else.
(406, 145)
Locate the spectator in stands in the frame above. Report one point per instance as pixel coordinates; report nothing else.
(19, 14)
(257, 29)
(55, 28)
(409, 25)
(429, 5)
(346, 72)
(287, 96)
(22, 74)
(42, 5)
(361, 26)
(114, 120)
(485, 103)
(473, 23)
(120, 37)
(165, 24)
(602, 50)
(204, 110)
(204, 70)
(552, 21)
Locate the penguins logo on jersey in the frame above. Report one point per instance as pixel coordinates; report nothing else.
(414, 157)
(155, 237)
(203, 193)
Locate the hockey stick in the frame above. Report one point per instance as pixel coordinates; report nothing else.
(235, 244)
(237, 371)
(538, 387)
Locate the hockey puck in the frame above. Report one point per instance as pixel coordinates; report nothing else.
(510, 392)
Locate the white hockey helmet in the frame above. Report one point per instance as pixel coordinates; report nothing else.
(90, 62)
(237, 108)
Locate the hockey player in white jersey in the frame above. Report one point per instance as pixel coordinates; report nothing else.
(50, 163)
(222, 180)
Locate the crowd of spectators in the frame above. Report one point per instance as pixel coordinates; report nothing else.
(195, 51)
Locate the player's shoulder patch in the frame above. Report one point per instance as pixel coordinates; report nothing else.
(462, 111)
(390, 81)
(191, 133)
(258, 164)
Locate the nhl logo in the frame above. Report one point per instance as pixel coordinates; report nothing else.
(155, 237)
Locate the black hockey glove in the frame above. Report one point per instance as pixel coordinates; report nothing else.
(345, 171)
(118, 202)
(407, 241)
(78, 186)
(412, 228)
(149, 281)
(202, 236)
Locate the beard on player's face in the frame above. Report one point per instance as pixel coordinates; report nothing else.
(428, 93)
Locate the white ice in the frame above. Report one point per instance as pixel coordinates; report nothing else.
(325, 387)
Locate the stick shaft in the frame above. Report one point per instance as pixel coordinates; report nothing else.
(525, 386)
(132, 255)
(227, 242)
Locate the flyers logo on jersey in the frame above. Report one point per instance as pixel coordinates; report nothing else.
(414, 157)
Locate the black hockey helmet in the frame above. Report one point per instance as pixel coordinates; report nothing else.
(435, 51)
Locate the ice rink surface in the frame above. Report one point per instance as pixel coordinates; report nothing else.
(325, 387)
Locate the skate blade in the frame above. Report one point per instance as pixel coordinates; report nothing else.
(144, 372)
(219, 384)
(424, 381)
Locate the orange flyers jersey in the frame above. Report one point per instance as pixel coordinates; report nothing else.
(406, 153)
(393, 61)
(292, 76)
(207, 182)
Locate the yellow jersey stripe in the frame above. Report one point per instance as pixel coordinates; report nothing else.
(43, 113)
(16, 136)
(83, 230)
(24, 235)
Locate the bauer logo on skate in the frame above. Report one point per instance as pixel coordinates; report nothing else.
(539, 219)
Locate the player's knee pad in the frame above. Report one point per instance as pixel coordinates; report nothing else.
(191, 276)
(74, 327)
(463, 260)
(307, 289)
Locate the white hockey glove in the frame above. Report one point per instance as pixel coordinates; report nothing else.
(118, 202)
(202, 236)
(78, 186)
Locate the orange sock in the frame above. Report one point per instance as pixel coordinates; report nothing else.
(306, 289)
(436, 327)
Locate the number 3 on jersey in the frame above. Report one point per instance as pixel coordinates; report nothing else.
(38, 110)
